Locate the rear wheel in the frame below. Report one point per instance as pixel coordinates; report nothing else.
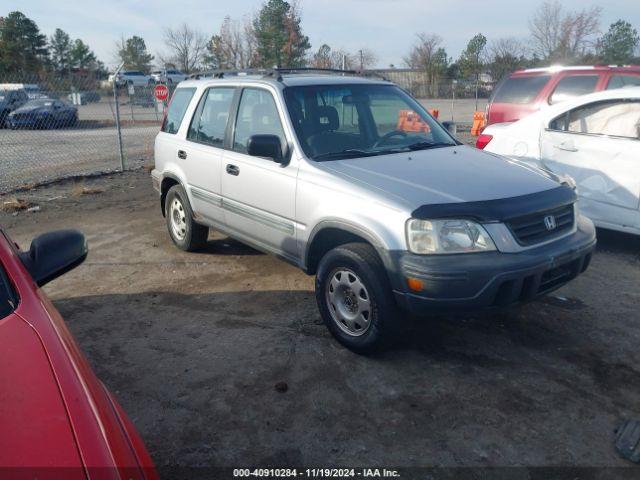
(184, 231)
(355, 298)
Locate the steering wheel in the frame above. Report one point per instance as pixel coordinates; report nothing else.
(394, 133)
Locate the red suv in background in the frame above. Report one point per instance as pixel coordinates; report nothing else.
(526, 91)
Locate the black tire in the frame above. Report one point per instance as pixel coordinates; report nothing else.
(384, 317)
(194, 236)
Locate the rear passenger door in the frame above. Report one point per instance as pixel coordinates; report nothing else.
(258, 193)
(598, 144)
(204, 152)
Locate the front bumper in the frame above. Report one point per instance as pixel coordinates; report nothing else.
(492, 279)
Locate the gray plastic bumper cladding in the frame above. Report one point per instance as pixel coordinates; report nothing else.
(492, 279)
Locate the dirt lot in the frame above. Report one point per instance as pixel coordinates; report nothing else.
(194, 344)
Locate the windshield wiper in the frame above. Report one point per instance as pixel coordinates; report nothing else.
(427, 145)
(350, 153)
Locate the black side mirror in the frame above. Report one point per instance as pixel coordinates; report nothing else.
(268, 146)
(451, 127)
(53, 254)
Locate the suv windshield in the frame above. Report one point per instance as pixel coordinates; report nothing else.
(335, 122)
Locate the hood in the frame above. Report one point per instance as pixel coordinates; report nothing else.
(36, 429)
(442, 175)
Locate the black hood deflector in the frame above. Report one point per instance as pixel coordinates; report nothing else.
(501, 209)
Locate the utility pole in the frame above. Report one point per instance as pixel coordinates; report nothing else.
(115, 99)
(361, 60)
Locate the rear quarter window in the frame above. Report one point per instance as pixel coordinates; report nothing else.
(521, 90)
(621, 81)
(177, 108)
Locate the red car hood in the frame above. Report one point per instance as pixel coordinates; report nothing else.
(30, 391)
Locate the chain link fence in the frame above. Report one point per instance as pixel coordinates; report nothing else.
(56, 127)
(60, 126)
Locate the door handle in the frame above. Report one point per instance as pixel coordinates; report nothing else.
(233, 170)
(567, 147)
(182, 154)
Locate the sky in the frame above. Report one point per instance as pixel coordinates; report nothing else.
(387, 27)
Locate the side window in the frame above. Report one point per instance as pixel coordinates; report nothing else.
(619, 118)
(621, 81)
(257, 115)
(210, 120)
(177, 108)
(8, 300)
(573, 86)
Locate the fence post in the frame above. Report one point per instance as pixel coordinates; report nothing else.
(115, 99)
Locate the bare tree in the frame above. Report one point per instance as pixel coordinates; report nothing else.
(560, 35)
(234, 47)
(427, 54)
(187, 47)
(366, 58)
(326, 57)
(505, 56)
(503, 47)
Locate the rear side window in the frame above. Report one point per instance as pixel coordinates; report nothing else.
(573, 86)
(621, 81)
(520, 90)
(257, 115)
(177, 108)
(210, 120)
(8, 300)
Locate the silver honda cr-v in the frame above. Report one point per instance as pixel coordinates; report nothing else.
(352, 180)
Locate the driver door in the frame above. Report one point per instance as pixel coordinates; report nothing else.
(258, 194)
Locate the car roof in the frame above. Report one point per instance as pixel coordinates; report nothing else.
(285, 80)
(579, 68)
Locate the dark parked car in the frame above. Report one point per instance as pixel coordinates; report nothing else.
(10, 100)
(43, 113)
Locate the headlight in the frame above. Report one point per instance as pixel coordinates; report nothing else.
(447, 236)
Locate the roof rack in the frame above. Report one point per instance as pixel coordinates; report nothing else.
(277, 72)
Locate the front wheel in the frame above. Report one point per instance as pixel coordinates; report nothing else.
(186, 234)
(355, 299)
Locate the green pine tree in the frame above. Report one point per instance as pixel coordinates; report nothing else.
(279, 37)
(23, 49)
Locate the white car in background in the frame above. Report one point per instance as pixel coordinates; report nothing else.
(131, 77)
(595, 139)
(168, 76)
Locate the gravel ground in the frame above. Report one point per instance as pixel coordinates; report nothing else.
(193, 345)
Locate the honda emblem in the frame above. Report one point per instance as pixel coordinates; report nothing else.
(550, 222)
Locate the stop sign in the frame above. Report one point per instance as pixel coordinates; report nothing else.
(161, 92)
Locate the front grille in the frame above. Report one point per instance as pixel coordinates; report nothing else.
(531, 229)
